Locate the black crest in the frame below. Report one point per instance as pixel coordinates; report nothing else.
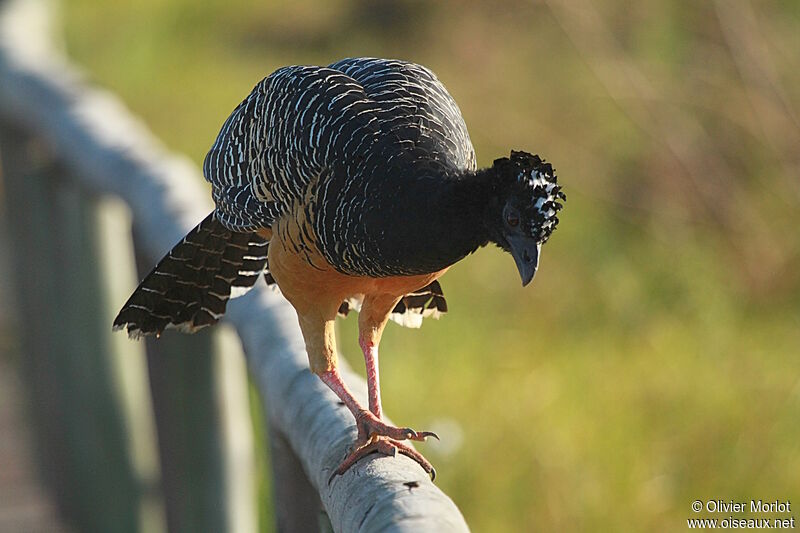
(533, 187)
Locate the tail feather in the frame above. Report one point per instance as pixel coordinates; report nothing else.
(190, 287)
(412, 308)
(426, 302)
(429, 298)
(253, 263)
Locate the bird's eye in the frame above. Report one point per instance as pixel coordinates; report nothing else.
(512, 219)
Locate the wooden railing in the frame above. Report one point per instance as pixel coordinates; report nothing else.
(67, 148)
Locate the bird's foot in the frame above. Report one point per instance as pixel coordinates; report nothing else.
(376, 436)
(385, 446)
(370, 425)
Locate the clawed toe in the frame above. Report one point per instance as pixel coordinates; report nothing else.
(408, 451)
(387, 446)
(419, 436)
(370, 426)
(375, 436)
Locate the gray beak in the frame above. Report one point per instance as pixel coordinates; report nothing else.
(526, 254)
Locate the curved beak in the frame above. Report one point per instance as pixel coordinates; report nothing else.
(526, 254)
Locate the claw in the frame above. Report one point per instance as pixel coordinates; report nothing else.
(425, 434)
(388, 450)
(420, 436)
(369, 426)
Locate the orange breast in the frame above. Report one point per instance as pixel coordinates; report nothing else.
(308, 281)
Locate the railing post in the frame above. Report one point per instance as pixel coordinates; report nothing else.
(82, 441)
(183, 388)
(297, 505)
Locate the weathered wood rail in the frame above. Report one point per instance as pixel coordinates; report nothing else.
(64, 144)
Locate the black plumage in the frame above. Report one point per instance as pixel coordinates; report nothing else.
(190, 287)
(374, 156)
(352, 186)
(341, 140)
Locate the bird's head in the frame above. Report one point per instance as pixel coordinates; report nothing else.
(525, 208)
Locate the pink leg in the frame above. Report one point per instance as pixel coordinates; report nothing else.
(368, 424)
(333, 380)
(373, 434)
(373, 377)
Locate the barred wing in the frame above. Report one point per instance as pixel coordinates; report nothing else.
(303, 124)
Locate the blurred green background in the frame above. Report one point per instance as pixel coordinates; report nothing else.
(654, 361)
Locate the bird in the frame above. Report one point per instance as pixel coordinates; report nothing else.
(349, 187)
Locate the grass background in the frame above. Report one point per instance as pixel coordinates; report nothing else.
(654, 361)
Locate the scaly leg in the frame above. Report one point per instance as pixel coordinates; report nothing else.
(373, 377)
(373, 384)
(373, 434)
